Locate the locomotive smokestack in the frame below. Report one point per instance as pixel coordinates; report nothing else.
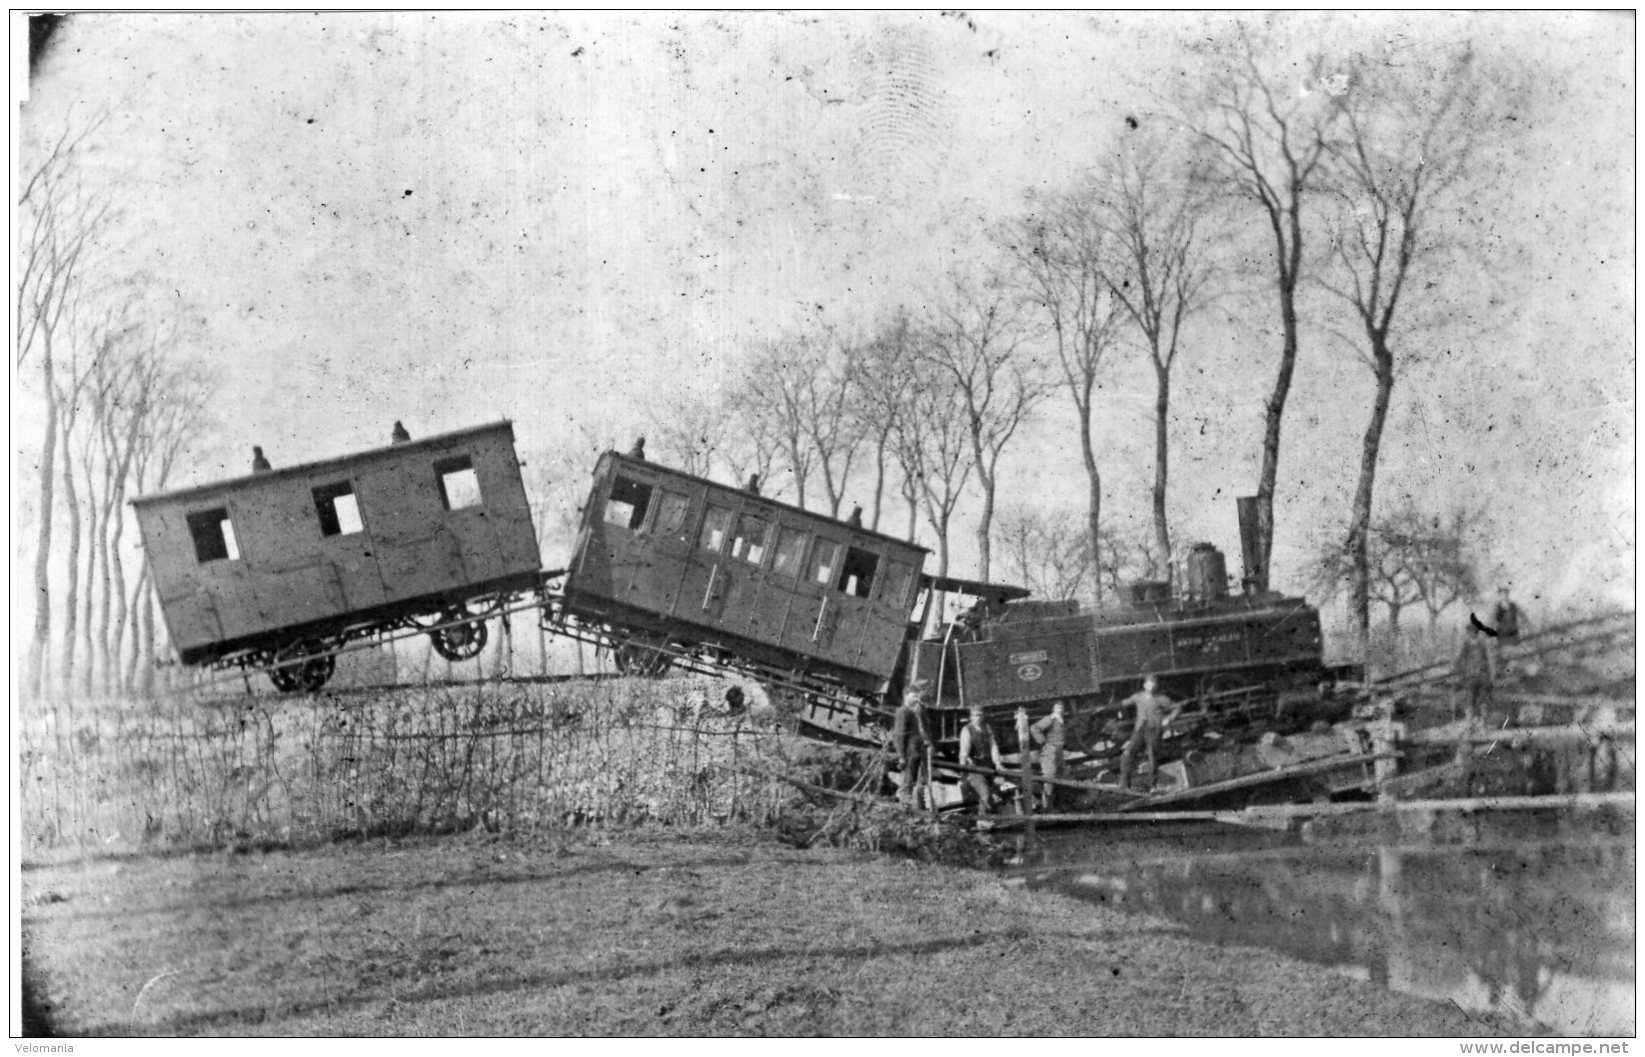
(1255, 580)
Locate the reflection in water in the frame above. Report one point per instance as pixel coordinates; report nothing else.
(1538, 937)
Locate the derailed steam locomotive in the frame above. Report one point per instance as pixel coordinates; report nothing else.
(279, 571)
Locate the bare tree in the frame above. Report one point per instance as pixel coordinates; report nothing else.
(827, 413)
(1064, 257)
(1416, 557)
(690, 434)
(1161, 275)
(1048, 553)
(976, 342)
(59, 225)
(934, 452)
(1410, 131)
(1265, 141)
(74, 381)
(882, 370)
(773, 404)
(178, 414)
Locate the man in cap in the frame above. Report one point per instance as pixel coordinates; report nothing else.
(1150, 726)
(979, 749)
(910, 742)
(1509, 623)
(1051, 735)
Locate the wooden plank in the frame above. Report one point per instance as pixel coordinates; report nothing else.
(1464, 804)
(1566, 699)
(1564, 734)
(1247, 781)
(1258, 815)
(1018, 821)
(1069, 783)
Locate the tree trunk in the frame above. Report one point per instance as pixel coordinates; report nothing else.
(71, 497)
(879, 480)
(1290, 263)
(134, 658)
(1094, 480)
(146, 677)
(117, 591)
(35, 672)
(105, 612)
(910, 494)
(985, 524)
(1162, 405)
(1359, 526)
(88, 668)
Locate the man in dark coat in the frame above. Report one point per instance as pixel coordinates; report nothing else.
(1474, 672)
(911, 742)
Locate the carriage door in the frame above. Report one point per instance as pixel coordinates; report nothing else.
(887, 624)
(854, 588)
(703, 587)
(814, 613)
(745, 577)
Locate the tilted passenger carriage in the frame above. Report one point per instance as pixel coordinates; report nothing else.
(675, 565)
(282, 566)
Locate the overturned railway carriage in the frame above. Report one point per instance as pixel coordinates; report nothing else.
(674, 566)
(280, 568)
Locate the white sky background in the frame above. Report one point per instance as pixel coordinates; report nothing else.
(568, 220)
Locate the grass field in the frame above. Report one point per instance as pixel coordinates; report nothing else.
(653, 933)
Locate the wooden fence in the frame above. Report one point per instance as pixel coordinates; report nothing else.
(507, 757)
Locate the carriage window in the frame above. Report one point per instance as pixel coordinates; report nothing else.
(857, 578)
(671, 511)
(213, 536)
(716, 526)
(628, 503)
(895, 591)
(790, 550)
(748, 545)
(459, 486)
(339, 511)
(825, 561)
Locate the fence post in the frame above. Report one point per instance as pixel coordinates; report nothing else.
(1025, 757)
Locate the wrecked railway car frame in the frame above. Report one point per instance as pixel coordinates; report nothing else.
(671, 565)
(279, 568)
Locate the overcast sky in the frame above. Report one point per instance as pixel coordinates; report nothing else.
(566, 220)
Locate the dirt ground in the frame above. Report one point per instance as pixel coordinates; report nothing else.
(650, 934)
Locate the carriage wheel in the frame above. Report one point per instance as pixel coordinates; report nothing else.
(639, 660)
(285, 680)
(310, 675)
(459, 642)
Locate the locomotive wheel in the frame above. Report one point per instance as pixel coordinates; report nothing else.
(308, 676)
(459, 642)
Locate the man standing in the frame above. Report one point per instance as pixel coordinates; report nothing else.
(1051, 734)
(1150, 726)
(1509, 623)
(1474, 673)
(910, 740)
(979, 749)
